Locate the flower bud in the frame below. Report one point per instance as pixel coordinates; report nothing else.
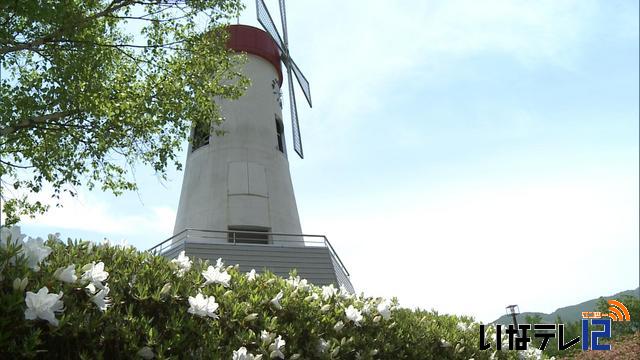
(165, 289)
(251, 317)
(325, 308)
(20, 284)
(335, 352)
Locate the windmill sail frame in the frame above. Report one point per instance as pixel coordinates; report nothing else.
(265, 19)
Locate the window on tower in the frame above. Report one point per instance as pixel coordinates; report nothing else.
(201, 136)
(280, 135)
(248, 235)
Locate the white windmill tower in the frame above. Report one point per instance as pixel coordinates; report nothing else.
(237, 200)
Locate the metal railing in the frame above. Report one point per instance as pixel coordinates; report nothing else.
(250, 238)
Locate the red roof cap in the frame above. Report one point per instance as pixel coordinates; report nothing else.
(244, 38)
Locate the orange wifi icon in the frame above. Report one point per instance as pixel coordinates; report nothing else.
(618, 312)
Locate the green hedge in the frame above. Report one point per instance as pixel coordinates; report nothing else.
(148, 306)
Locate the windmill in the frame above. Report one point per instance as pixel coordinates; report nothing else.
(237, 200)
(283, 45)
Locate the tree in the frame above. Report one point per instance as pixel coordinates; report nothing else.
(627, 326)
(88, 88)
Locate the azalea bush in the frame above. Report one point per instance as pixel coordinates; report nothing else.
(76, 299)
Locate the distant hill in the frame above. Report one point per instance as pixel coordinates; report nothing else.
(567, 313)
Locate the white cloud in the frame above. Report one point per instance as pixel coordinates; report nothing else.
(469, 249)
(91, 212)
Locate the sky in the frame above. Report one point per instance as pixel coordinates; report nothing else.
(460, 155)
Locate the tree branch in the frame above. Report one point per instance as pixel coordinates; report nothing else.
(16, 165)
(34, 121)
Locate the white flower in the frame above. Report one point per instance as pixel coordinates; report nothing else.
(146, 353)
(353, 314)
(43, 306)
(276, 348)
(328, 291)
(464, 326)
(10, 235)
(276, 300)
(100, 299)
(214, 275)
(338, 326)
(91, 289)
(384, 309)
(298, 283)
(182, 263)
(203, 306)
(366, 308)
(444, 343)
(531, 353)
(266, 337)
(124, 244)
(35, 251)
(95, 274)
(302, 284)
(344, 293)
(242, 354)
(66, 274)
(219, 263)
(251, 275)
(323, 345)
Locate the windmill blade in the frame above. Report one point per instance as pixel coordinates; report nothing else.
(304, 83)
(295, 126)
(267, 23)
(283, 17)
